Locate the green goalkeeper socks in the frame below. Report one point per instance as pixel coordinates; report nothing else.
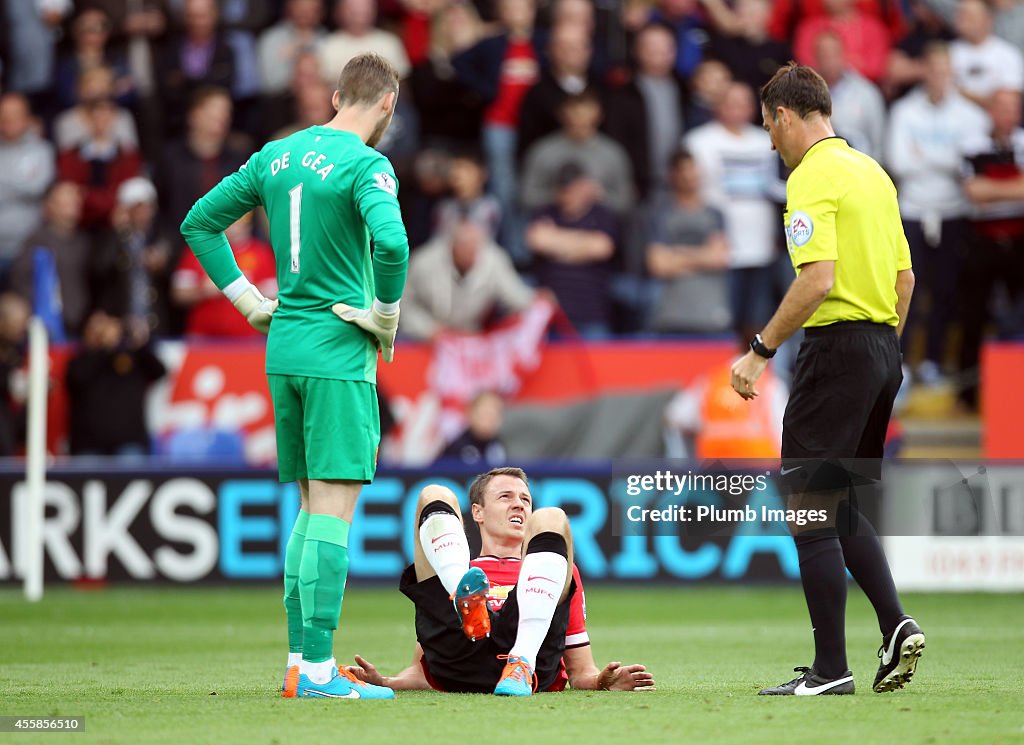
(292, 602)
(322, 574)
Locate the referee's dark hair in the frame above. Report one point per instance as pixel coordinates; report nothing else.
(799, 88)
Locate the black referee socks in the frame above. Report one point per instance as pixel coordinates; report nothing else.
(823, 577)
(865, 558)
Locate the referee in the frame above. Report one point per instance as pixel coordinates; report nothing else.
(851, 294)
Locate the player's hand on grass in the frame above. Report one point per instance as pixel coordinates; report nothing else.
(382, 325)
(745, 372)
(619, 677)
(256, 308)
(366, 672)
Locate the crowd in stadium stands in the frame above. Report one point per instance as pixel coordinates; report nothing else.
(607, 153)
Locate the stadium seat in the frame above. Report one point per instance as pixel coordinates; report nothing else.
(203, 444)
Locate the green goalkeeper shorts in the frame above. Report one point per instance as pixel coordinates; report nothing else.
(326, 429)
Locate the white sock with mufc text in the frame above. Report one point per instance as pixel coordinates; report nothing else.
(446, 547)
(541, 579)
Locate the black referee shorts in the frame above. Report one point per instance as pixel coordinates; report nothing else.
(845, 380)
(459, 665)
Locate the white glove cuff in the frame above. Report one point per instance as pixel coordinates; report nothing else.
(238, 288)
(385, 309)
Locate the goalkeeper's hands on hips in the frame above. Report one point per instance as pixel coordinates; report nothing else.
(256, 308)
(379, 320)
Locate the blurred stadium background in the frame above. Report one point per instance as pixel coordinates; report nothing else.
(595, 222)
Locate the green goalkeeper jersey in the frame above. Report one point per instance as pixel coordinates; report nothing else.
(326, 194)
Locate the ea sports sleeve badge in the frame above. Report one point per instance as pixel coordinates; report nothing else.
(799, 230)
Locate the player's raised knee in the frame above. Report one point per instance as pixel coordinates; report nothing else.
(548, 519)
(437, 493)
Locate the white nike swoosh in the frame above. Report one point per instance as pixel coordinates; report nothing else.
(784, 471)
(888, 653)
(350, 694)
(803, 690)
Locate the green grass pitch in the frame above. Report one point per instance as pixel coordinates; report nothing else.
(202, 665)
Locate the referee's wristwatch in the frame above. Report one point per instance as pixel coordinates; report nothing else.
(760, 348)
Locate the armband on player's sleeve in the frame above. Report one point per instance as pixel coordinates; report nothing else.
(251, 303)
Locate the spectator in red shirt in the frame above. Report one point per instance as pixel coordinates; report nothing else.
(787, 15)
(209, 312)
(99, 164)
(865, 37)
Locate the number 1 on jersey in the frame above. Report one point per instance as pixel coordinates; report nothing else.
(295, 210)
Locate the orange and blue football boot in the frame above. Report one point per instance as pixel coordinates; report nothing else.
(517, 679)
(291, 681)
(342, 684)
(471, 604)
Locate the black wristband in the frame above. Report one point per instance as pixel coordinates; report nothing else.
(760, 348)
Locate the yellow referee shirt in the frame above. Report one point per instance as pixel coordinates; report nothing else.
(841, 206)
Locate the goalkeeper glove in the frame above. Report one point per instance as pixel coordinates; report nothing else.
(383, 326)
(250, 303)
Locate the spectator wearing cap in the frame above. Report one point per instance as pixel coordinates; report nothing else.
(26, 169)
(209, 312)
(573, 240)
(460, 281)
(579, 141)
(60, 246)
(131, 262)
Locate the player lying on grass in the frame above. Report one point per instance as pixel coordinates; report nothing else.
(519, 621)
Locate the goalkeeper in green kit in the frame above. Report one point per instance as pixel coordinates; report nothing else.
(327, 193)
